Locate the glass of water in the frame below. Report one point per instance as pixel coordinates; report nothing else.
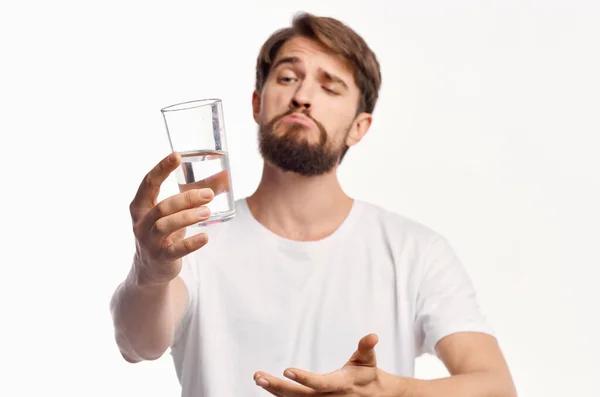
(196, 130)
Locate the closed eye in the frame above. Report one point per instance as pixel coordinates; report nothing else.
(287, 79)
(330, 91)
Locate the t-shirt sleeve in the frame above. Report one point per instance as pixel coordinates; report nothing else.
(446, 300)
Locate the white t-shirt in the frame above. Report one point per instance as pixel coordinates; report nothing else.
(258, 301)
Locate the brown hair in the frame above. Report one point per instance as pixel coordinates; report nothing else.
(339, 39)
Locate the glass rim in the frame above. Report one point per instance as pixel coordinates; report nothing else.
(190, 105)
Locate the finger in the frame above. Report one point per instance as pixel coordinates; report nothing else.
(218, 182)
(149, 189)
(281, 387)
(262, 383)
(167, 225)
(174, 204)
(274, 394)
(184, 247)
(270, 391)
(365, 355)
(337, 381)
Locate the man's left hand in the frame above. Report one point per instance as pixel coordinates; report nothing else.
(358, 377)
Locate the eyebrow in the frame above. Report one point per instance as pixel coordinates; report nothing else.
(328, 76)
(290, 60)
(334, 79)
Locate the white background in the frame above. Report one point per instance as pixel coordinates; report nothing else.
(487, 130)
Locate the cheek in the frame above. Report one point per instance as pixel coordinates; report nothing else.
(272, 104)
(336, 119)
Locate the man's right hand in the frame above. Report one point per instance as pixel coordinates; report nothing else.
(159, 228)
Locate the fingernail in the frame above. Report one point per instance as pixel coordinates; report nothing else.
(203, 212)
(289, 374)
(172, 158)
(262, 382)
(206, 193)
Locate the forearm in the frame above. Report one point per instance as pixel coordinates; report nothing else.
(143, 319)
(477, 384)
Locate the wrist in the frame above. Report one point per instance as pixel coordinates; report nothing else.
(140, 277)
(394, 385)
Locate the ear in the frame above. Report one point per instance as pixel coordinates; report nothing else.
(359, 128)
(255, 105)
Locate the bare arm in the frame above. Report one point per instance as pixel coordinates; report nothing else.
(148, 306)
(476, 365)
(145, 318)
(474, 360)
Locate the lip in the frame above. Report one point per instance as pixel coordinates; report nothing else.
(299, 119)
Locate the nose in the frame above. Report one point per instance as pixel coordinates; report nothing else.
(302, 97)
(295, 104)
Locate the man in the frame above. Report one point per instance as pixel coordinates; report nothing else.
(292, 295)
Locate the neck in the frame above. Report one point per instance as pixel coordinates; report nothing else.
(299, 207)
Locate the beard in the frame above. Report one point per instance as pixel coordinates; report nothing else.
(293, 152)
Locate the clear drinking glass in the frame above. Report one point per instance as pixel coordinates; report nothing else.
(196, 130)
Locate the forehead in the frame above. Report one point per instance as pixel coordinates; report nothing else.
(314, 55)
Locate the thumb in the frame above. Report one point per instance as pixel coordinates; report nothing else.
(365, 354)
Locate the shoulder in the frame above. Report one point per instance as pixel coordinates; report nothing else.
(383, 221)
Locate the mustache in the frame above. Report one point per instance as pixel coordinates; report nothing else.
(305, 112)
(294, 111)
